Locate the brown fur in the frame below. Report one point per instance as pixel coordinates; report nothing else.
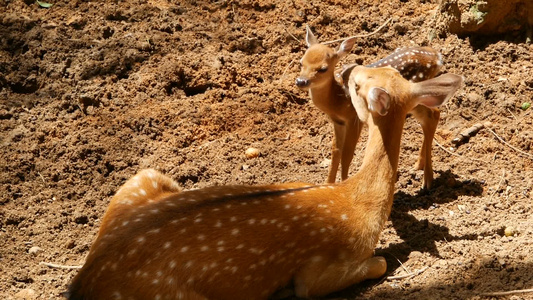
(414, 63)
(246, 242)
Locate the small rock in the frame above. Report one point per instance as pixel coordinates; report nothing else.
(26, 294)
(415, 255)
(70, 244)
(325, 163)
(252, 152)
(34, 250)
(509, 231)
(462, 208)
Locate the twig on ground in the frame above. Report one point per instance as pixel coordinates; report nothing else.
(455, 154)
(511, 146)
(465, 135)
(513, 292)
(359, 36)
(56, 266)
(512, 114)
(292, 35)
(42, 178)
(403, 267)
(285, 71)
(409, 275)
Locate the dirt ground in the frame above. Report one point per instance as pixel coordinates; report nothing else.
(92, 92)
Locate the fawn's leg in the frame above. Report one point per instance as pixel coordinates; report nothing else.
(428, 119)
(351, 136)
(324, 276)
(339, 130)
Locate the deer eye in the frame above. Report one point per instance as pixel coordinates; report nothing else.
(322, 70)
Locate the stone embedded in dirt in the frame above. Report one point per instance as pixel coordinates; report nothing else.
(35, 250)
(509, 231)
(26, 294)
(252, 152)
(70, 244)
(325, 163)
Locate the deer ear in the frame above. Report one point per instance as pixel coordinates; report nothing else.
(435, 92)
(345, 47)
(378, 100)
(310, 38)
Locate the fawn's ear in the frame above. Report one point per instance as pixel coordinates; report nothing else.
(345, 47)
(310, 38)
(378, 100)
(435, 92)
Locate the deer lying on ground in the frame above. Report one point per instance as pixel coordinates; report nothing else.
(318, 76)
(246, 242)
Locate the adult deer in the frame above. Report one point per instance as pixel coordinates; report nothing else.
(246, 242)
(318, 76)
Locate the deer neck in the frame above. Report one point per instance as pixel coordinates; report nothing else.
(373, 186)
(326, 94)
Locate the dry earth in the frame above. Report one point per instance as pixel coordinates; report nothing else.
(92, 92)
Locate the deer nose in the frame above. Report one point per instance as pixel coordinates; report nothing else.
(302, 82)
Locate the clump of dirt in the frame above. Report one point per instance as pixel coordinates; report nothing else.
(485, 17)
(92, 92)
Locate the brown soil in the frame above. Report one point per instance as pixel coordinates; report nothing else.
(92, 92)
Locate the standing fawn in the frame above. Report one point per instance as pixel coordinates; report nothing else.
(246, 242)
(317, 76)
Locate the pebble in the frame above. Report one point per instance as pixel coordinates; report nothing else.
(509, 231)
(252, 152)
(34, 250)
(325, 163)
(26, 294)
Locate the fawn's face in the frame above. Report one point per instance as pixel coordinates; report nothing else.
(318, 64)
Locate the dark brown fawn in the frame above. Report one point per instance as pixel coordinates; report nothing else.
(246, 242)
(318, 76)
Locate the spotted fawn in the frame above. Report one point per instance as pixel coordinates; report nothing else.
(318, 77)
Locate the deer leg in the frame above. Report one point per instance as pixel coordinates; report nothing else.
(322, 277)
(429, 119)
(336, 152)
(352, 133)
